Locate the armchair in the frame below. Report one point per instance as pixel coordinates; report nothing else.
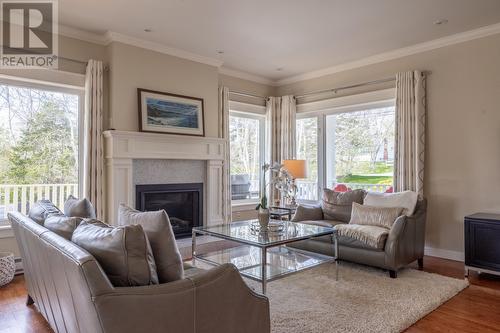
(405, 241)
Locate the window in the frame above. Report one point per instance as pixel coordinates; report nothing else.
(39, 145)
(247, 136)
(360, 149)
(347, 146)
(307, 149)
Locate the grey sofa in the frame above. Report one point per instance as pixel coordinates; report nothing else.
(73, 293)
(404, 245)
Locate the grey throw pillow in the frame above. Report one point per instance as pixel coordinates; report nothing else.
(123, 252)
(374, 216)
(62, 225)
(79, 207)
(41, 210)
(161, 236)
(338, 205)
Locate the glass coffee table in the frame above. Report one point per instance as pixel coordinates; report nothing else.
(264, 256)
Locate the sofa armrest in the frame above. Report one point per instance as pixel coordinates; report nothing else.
(400, 242)
(215, 301)
(307, 213)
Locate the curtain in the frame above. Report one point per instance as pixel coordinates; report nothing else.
(224, 133)
(410, 132)
(93, 145)
(281, 112)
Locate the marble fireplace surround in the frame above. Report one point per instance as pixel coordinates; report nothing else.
(130, 156)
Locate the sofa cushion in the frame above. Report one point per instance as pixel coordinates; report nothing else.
(307, 213)
(338, 205)
(352, 242)
(377, 216)
(62, 225)
(373, 236)
(41, 210)
(79, 207)
(123, 252)
(406, 200)
(161, 236)
(323, 223)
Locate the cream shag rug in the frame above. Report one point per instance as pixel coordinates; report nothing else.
(363, 300)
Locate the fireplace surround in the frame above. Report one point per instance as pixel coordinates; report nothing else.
(182, 202)
(122, 148)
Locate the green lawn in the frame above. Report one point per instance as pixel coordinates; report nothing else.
(357, 179)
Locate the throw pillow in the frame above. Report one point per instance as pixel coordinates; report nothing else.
(41, 210)
(161, 236)
(123, 252)
(407, 200)
(338, 205)
(62, 225)
(79, 207)
(375, 216)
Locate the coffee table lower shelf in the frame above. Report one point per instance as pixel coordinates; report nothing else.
(280, 261)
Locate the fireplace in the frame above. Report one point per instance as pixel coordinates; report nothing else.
(182, 202)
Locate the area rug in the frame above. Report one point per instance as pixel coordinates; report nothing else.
(363, 300)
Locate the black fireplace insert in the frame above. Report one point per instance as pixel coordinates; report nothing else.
(182, 202)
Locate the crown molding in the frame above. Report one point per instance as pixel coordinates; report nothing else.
(398, 53)
(112, 36)
(246, 76)
(83, 35)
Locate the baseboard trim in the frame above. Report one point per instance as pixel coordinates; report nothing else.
(445, 254)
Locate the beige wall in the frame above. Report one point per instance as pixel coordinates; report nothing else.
(132, 67)
(463, 131)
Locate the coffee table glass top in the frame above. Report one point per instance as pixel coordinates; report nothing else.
(243, 233)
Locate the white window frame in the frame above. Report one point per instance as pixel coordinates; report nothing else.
(59, 87)
(321, 109)
(257, 112)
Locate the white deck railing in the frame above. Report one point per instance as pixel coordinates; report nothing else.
(308, 190)
(21, 197)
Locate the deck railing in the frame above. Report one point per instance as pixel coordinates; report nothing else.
(21, 197)
(308, 190)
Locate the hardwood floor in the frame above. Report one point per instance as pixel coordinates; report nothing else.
(476, 309)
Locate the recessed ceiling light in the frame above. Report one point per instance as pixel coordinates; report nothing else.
(220, 51)
(440, 21)
(147, 30)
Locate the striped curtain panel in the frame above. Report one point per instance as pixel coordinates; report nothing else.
(224, 133)
(93, 146)
(281, 113)
(410, 132)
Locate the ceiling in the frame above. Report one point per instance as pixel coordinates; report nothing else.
(277, 39)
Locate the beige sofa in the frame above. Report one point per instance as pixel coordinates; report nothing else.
(73, 293)
(405, 242)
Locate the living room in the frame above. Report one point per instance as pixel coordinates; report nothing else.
(364, 133)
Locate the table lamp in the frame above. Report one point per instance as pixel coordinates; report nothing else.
(297, 169)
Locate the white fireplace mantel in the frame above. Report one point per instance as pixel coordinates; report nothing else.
(122, 147)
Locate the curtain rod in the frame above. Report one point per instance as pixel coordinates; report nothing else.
(246, 94)
(335, 90)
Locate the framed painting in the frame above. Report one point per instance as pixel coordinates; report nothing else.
(161, 112)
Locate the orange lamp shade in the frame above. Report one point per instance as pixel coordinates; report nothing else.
(296, 168)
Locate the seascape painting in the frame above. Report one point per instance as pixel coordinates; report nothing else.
(170, 113)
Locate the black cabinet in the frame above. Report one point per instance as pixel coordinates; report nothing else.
(482, 243)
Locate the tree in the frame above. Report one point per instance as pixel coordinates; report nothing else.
(44, 153)
(4, 154)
